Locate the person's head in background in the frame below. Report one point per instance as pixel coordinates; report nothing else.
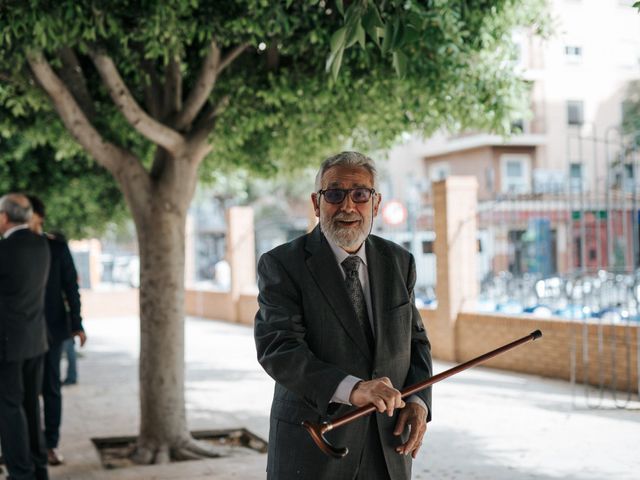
(36, 224)
(15, 210)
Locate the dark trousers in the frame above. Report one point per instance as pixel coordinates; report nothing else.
(51, 395)
(69, 348)
(23, 445)
(372, 464)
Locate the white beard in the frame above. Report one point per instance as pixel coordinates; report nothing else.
(346, 238)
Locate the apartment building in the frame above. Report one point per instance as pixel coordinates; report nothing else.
(569, 145)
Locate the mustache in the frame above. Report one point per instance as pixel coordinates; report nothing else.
(345, 217)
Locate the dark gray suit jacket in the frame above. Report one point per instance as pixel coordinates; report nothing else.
(308, 340)
(24, 266)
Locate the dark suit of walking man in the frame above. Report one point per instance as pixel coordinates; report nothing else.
(63, 319)
(335, 331)
(24, 265)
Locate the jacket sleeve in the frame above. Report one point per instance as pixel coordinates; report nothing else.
(69, 281)
(280, 332)
(421, 367)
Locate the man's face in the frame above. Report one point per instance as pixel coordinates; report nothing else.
(348, 223)
(36, 224)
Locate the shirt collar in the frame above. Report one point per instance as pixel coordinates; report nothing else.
(341, 255)
(15, 229)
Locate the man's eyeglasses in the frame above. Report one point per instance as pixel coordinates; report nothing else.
(337, 195)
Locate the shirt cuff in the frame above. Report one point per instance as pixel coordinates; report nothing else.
(419, 401)
(343, 392)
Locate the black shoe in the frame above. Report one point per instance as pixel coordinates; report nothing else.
(54, 457)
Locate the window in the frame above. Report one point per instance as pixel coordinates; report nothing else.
(427, 246)
(515, 173)
(628, 174)
(575, 112)
(573, 53)
(575, 176)
(517, 126)
(439, 171)
(489, 178)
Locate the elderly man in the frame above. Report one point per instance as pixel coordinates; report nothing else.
(337, 327)
(24, 266)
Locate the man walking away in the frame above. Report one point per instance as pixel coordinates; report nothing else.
(24, 266)
(62, 315)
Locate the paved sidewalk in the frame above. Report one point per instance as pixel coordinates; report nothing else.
(487, 424)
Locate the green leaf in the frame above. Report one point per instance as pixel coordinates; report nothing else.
(340, 6)
(398, 33)
(400, 63)
(361, 36)
(387, 38)
(352, 35)
(372, 23)
(337, 62)
(337, 39)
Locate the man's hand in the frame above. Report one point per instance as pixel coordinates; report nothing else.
(379, 392)
(415, 417)
(81, 336)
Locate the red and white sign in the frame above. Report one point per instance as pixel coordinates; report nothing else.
(394, 213)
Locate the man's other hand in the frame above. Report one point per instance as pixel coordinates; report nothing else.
(81, 336)
(379, 392)
(413, 416)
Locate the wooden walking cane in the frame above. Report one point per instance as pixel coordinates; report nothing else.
(317, 430)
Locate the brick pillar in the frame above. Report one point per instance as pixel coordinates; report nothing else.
(241, 251)
(456, 250)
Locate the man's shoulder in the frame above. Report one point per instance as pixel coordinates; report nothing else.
(388, 247)
(56, 241)
(19, 237)
(290, 248)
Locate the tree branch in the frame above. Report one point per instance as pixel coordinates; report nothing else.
(202, 88)
(207, 122)
(152, 98)
(124, 166)
(72, 76)
(105, 153)
(150, 128)
(231, 56)
(172, 88)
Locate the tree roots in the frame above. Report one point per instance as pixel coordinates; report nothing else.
(184, 449)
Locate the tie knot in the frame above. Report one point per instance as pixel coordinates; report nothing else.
(351, 265)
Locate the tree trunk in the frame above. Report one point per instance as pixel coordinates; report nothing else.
(160, 226)
(162, 407)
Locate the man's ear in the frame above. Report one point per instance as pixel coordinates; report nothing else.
(376, 204)
(315, 199)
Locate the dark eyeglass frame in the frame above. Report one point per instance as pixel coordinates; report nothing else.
(347, 191)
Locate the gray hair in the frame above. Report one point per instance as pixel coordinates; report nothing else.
(17, 207)
(350, 159)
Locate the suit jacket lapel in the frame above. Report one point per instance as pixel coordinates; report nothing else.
(325, 271)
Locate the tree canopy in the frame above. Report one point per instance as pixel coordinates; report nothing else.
(403, 66)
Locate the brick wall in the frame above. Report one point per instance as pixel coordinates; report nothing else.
(98, 304)
(210, 304)
(610, 356)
